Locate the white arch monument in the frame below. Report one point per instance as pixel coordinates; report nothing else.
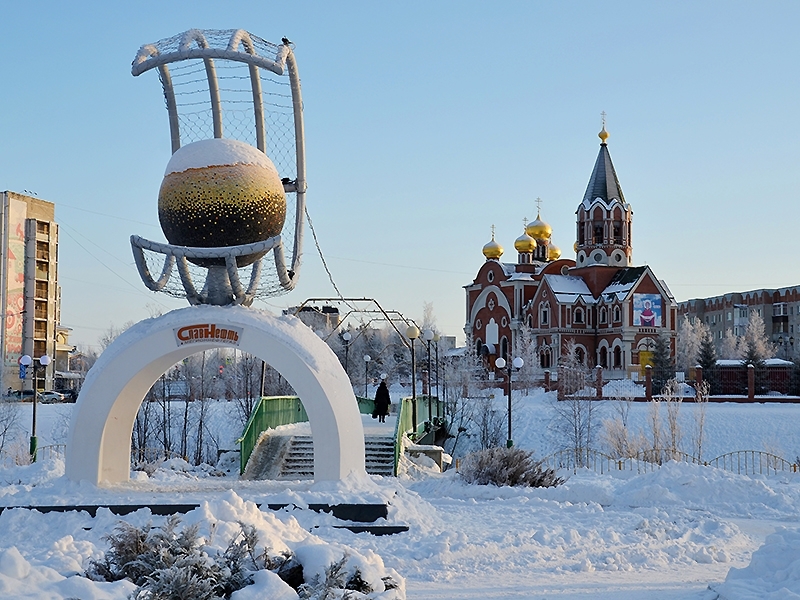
(99, 442)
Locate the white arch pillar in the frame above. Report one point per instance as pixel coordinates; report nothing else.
(98, 446)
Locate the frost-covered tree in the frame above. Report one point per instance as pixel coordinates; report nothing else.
(575, 414)
(691, 333)
(756, 342)
(526, 348)
(731, 346)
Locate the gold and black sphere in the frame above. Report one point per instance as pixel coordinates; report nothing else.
(221, 192)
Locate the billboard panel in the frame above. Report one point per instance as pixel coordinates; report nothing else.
(646, 310)
(15, 281)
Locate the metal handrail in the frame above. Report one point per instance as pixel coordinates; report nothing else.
(274, 411)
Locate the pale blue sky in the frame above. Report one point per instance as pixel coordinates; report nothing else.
(426, 123)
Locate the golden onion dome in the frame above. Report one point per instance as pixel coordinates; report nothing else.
(603, 135)
(553, 252)
(538, 229)
(525, 243)
(575, 247)
(493, 250)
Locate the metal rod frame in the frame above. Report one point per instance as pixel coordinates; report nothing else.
(149, 57)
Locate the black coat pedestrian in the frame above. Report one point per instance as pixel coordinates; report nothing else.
(382, 400)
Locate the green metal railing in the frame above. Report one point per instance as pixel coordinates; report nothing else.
(405, 420)
(274, 411)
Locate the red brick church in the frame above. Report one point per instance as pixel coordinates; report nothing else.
(613, 310)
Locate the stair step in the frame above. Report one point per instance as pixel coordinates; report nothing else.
(299, 460)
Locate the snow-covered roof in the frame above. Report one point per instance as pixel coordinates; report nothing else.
(622, 283)
(770, 362)
(521, 276)
(568, 288)
(620, 290)
(508, 269)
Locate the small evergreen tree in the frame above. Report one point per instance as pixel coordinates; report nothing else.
(663, 364)
(753, 355)
(707, 359)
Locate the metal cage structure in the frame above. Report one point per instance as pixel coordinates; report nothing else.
(230, 83)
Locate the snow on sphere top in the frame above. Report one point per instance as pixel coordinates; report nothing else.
(217, 152)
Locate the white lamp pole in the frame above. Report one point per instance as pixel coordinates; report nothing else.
(428, 336)
(367, 358)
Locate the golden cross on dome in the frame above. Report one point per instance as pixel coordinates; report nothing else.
(525, 222)
(538, 205)
(492, 231)
(603, 116)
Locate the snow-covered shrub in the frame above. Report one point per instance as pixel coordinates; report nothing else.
(507, 466)
(166, 563)
(341, 580)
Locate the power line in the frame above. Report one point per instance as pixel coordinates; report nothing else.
(380, 264)
(94, 212)
(66, 230)
(322, 258)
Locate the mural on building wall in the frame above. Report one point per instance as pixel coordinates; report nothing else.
(646, 310)
(15, 281)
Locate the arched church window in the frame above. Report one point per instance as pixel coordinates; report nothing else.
(578, 315)
(618, 233)
(617, 357)
(598, 234)
(580, 355)
(603, 315)
(504, 348)
(604, 358)
(617, 314)
(544, 358)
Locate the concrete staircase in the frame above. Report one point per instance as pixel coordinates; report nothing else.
(289, 458)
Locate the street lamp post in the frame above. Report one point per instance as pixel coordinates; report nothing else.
(428, 336)
(367, 358)
(27, 361)
(412, 333)
(517, 363)
(346, 336)
(436, 339)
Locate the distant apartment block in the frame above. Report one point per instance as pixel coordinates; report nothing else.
(29, 290)
(779, 308)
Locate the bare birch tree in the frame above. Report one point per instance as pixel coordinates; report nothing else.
(702, 393)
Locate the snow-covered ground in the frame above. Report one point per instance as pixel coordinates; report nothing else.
(683, 531)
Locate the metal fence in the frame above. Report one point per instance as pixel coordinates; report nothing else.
(20, 457)
(152, 455)
(742, 462)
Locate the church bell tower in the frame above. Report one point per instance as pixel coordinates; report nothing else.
(603, 217)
